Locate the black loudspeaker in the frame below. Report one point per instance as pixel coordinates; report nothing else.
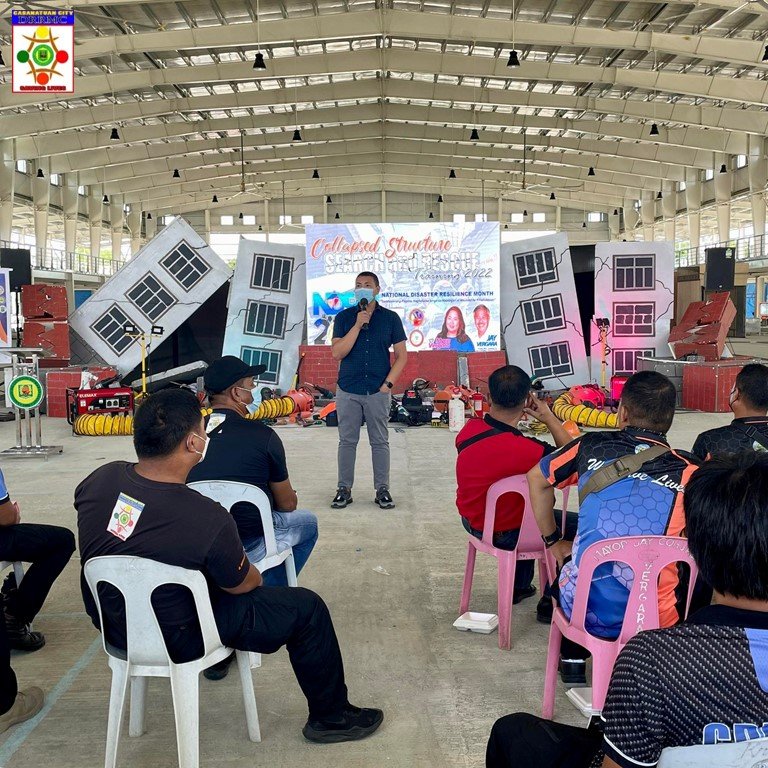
(19, 260)
(721, 267)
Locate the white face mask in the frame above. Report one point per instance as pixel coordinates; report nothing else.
(205, 446)
(255, 403)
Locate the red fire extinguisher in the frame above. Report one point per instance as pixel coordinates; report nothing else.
(477, 405)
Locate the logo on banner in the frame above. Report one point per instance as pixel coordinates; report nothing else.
(25, 392)
(43, 45)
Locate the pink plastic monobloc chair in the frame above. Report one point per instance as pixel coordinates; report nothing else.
(529, 547)
(646, 556)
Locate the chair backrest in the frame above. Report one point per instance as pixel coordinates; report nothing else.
(228, 493)
(646, 557)
(137, 578)
(743, 754)
(530, 535)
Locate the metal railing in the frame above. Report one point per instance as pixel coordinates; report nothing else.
(54, 260)
(747, 249)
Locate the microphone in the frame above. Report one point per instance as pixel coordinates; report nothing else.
(363, 305)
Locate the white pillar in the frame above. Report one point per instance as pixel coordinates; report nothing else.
(723, 197)
(648, 214)
(558, 218)
(41, 198)
(759, 294)
(70, 201)
(206, 226)
(7, 185)
(693, 205)
(441, 211)
(95, 218)
(266, 217)
(325, 209)
(134, 227)
(614, 229)
(631, 219)
(758, 178)
(383, 205)
(500, 209)
(669, 208)
(116, 224)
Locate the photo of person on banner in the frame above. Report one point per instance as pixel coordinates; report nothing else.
(453, 335)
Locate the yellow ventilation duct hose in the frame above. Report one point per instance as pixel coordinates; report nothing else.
(564, 409)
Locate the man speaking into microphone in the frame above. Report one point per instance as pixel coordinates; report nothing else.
(362, 336)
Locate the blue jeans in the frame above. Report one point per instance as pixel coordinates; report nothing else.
(508, 540)
(292, 529)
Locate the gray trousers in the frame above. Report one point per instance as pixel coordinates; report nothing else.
(350, 410)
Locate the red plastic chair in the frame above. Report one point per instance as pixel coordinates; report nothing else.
(647, 556)
(529, 547)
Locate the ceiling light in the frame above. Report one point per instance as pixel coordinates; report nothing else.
(40, 174)
(114, 136)
(431, 215)
(551, 195)
(474, 136)
(215, 199)
(297, 135)
(659, 196)
(765, 55)
(452, 174)
(525, 213)
(723, 169)
(2, 63)
(513, 61)
(261, 229)
(328, 199)
(583, 224)
(615, 211)
(439, 198)
(315, 174)
(591, 171)
(176, 174)
(105, 199)
(654, 129)
(240, 215)
(337, 215)
(506, 226)
(149, 217)
(258, 62)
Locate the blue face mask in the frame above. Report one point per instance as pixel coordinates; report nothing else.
(363, 293)
(256, 404)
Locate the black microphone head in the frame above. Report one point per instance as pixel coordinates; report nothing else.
(363, 303)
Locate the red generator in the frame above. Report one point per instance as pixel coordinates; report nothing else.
(105, 400)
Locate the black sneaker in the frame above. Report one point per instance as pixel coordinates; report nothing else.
(219, 670)
(354, 724)
(343, 497)
(573, 672)
(544, 610)
(521, 594)
(384, 498)
(20, 635)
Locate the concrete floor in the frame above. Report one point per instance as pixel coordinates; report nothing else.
(392, 582)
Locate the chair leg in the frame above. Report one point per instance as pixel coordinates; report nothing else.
(249, 696)
(186, 711)
(506, 588)
(290, 571)
(138, 706)
(550, 674)
(602, 668)
(469, 572)
(117, 694)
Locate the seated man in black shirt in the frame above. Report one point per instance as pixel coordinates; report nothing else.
(248, 451)
(703, 682)
(162, 519)
(749, 403)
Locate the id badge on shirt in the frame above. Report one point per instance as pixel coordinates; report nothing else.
(215, 420)
(125, 515)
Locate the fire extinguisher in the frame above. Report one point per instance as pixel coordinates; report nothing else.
(477, 405)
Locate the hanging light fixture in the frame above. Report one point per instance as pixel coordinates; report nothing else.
(40, 174)
(2, 63)
(452, 174)
(328, 199)
(723, 169)
(261, 229)
(513, 60)
(215, 199)
(583, 224)
(315, 174)
(105, 199)
(240, 215)
(431, 215)
(439, 198)
(114, 136)
(296, 135)
(176, 174)
(337, 215)
(149, 217)
(591, 171)
(659, 196)
(474, 136)
(654, 129)
(551, 195)
(765, 54)
(258, 62)
(615, 211)
(525, 214)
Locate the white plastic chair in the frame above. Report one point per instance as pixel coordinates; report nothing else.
(228, 493)
(137, 578)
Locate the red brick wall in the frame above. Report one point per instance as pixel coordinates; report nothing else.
(58, 381)
(707, 386)
(437, 367)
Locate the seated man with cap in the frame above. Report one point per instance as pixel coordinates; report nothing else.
(247, 451)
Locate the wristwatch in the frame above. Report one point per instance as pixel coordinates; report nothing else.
(552, 539)
(389, 384)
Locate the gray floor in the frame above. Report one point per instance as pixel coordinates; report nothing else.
(392, 581)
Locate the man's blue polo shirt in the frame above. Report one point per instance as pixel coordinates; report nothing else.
(365, 368)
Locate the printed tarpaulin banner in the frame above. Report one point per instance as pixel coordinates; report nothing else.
(43, 45)
(442, 279)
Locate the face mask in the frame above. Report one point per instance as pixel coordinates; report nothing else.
(256, 404)
(205, 447)
(363, 293)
